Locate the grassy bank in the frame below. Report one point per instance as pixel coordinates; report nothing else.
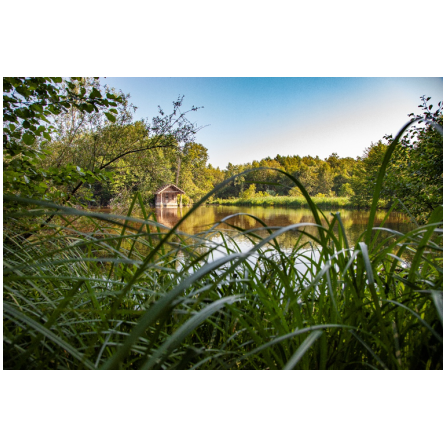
(286, 201)
(130, 293)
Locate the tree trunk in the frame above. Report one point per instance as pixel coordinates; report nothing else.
(177, 176)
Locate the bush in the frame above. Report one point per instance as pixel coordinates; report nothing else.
(346, 190)
(248, 193)
(295, 192)
(186, 200)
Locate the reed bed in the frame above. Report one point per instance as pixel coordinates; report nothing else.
(132, 294)
(286, 201)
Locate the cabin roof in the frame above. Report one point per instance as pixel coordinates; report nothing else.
(166, 186)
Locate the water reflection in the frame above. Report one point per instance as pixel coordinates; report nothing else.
(168, 216)
(202, 219)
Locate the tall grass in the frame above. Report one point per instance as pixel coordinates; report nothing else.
(130, 293)
(286, 201)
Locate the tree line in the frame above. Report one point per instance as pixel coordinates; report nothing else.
(413, 180)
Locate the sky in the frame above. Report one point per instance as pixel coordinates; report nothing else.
(250, 119)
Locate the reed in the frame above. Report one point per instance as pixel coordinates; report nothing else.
(130, 293)
(286, 201)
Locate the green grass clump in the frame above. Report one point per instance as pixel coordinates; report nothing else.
(132, 294)
(286, 201)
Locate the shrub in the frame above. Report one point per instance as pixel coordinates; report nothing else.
(346, 190)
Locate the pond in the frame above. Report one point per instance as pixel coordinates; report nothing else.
(200, 220)
(205, 217)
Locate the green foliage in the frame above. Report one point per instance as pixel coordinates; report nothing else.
(346, 190)
(92, 153)
(295, 192)
(74, 141)
(186, 200)
(415, 175)
(318, 176)
(29, 108)
(249, 193)
(195, 178)
(294, 201)
(365, 173)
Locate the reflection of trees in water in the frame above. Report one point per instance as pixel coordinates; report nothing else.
(354, 222)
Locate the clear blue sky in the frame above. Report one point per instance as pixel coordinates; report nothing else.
(252, 118)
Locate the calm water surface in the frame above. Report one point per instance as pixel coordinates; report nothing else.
(355, 222)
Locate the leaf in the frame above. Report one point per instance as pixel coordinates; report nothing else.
(437, 297)
(28, 139)
(39, 328)
(36, 107)
(95, 94)
(89, 107)
(179, 335)
(110, 117)
(297, 356)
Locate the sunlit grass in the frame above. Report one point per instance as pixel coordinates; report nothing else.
(286, 201)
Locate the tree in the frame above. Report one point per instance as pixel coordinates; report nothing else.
(249, 193)
(342, 169)
(51, 148)
(216, 175)
(30, 101)
(195, 178)
(307, 176)
(346, 190)
(365, 174)
(143, 172)
(29, 106)
(415, 172)
(324, 179)
(238, 184)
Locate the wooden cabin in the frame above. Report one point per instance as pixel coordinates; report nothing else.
(166, 196)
